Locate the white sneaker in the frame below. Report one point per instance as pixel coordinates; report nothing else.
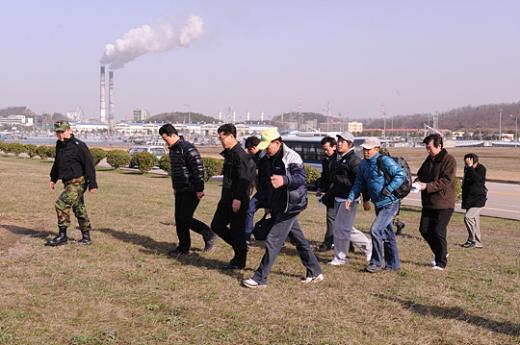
(368, 255)
(316, 279)
(253, 284)
(438, 268)
(434, 263)
(337, 262)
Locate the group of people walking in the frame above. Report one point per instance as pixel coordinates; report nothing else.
(278, 175)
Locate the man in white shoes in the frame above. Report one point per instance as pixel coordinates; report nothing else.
(344, 168)
(287, 196)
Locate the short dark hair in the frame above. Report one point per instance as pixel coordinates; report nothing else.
(252, 141)
(436, 138)
(473, 156)
(168, 129)
(228, 128)
(330, 140)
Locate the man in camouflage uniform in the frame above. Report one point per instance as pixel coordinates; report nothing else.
(74, 166)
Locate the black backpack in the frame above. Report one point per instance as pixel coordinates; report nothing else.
(262, 228)
(405, 188)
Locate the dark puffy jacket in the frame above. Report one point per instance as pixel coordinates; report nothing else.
(187, 167)
(371, 177)
(474, 191)
(344, 173)
(291, 198)
(239, 174)
(439, 174)
(73, 160)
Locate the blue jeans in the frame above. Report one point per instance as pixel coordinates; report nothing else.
(253, 207)
(383, 238)
(286, 226)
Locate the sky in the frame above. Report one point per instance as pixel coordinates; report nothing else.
(350, 58)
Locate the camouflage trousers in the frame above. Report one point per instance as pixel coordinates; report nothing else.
(72, 199)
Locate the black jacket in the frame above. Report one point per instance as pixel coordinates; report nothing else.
(325, 174)
(73, 160)
(474, 191)
(239, 174)
(291, 198)
(187, 167)
(343, 173)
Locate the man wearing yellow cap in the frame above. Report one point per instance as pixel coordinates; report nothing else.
(287, 197)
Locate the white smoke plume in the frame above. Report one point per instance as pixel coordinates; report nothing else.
(151, 39)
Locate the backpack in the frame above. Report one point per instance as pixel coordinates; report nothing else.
(405, 188)
(262, 228)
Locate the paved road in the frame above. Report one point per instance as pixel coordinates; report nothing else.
(503, 200)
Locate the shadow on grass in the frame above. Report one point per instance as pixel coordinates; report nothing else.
(457, 313)
(154, 247)
(23, 231)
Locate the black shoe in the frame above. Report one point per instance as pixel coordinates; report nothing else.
(324, 247)
(85, 238)
(468, 245)
(399, 227)
(232, 267)
(58, 240)
(209, 245)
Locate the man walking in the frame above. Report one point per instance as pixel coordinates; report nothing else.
(287, 197)
(258, 200)
(437, 178)
(239, 174)
(328, 145)
(187, 171)
(474, 196)
(74, 166)
(380, 191)
(345, 164)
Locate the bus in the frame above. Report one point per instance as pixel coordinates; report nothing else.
(308, 145)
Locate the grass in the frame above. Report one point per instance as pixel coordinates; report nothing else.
(501, 162)
(124, 289)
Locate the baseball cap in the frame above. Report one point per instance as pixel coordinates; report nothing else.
(370, 143)
(61, 126)
(268, 135)
(346, 136)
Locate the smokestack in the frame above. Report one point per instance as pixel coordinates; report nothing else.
(262, 116)
(234, 117)
(102, 108)
(248, 116)
(220, 116)
(110, 96)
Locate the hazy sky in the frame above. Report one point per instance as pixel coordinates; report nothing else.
(271, 56)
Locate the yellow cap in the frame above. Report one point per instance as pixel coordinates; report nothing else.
(268, 135)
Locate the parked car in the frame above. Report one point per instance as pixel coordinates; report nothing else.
(156, 150)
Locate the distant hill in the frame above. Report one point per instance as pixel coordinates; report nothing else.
(17, 111)
(181, 117)
(305, 116)
(464, 118)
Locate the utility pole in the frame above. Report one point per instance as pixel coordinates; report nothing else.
(500, 126)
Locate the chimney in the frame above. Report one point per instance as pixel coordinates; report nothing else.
(248, 116)
(110, 96)
(262, 116)
(234, 117)
(102, 108)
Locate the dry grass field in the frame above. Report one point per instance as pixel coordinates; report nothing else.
(124, 289)
(503, 164)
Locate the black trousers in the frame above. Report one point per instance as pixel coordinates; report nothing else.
(433, 229)
(230, 226)
(185, 205)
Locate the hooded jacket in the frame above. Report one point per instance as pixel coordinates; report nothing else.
(291, 198)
